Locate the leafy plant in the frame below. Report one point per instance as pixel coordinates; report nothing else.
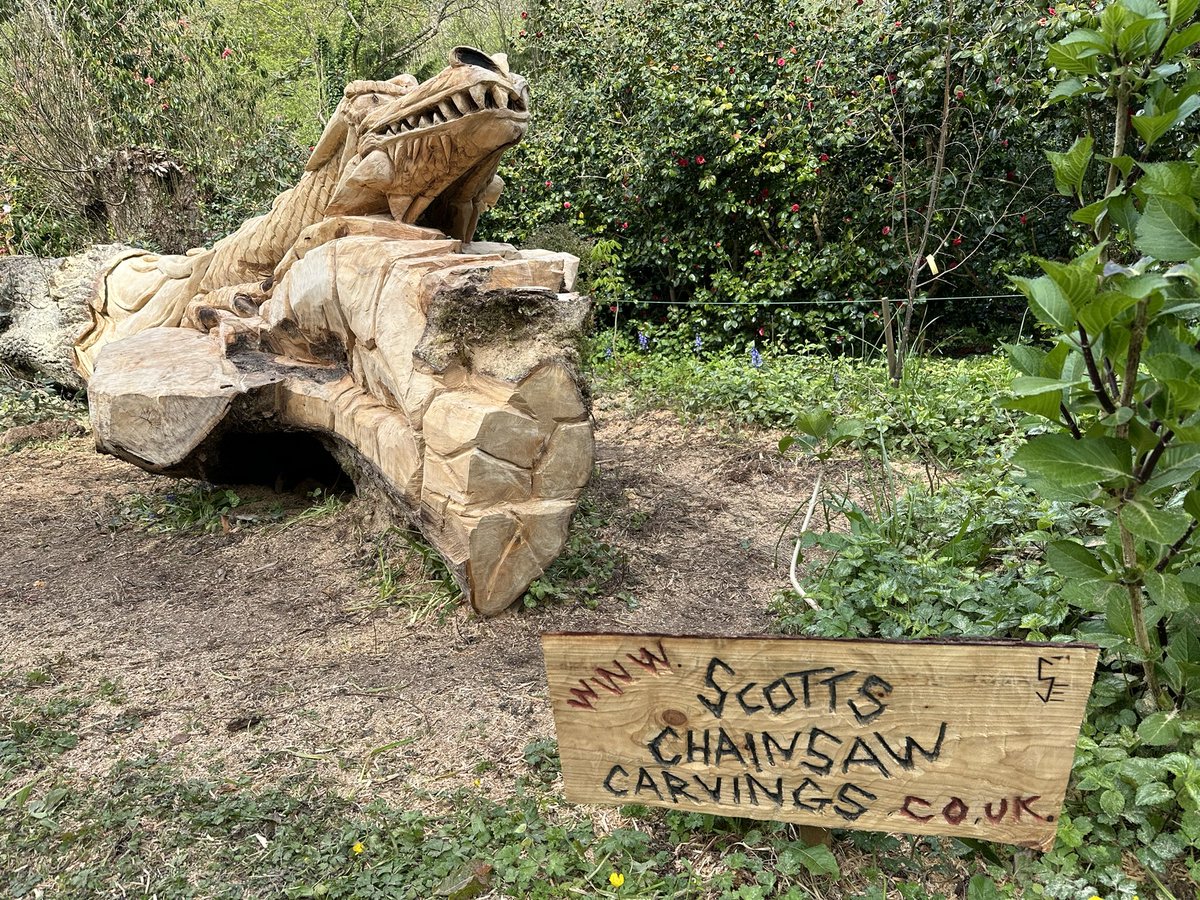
(1121, 386)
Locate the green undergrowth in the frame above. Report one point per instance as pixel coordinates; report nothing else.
(30, 402)
(146, 828)
(590, 567)
(943, 410)
(194, 506)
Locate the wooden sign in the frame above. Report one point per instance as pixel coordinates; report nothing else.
(973, 739)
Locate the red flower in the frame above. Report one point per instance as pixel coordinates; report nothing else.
(781, 61)
(1043, 21)
(731, 70)
(524, 15)
(1051, 11)
(817, 170)
(824, 157)
(612, 309)
(795, 207)
(898, 23)
(226, 53)
(521, 33)
(956, 241)
(549, 184)
(149, 81)
(699, 160)
(887, 229)
(958, 95)
(720, 45)
(757, 252)
(566, 204)
(1023, 220)
(683, 161)
(624, 225)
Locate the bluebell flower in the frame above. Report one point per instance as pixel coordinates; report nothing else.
(608, 352)
(755, 358)
(699, 343)
(643, 341)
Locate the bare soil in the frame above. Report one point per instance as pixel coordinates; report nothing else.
(267, 649)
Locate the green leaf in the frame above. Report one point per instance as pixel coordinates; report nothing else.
(1180, 11)
(1027, 386)
(1099, 313)
(1074, 562)
(815, 422)
(1168, 231)
(1151, 128)
(1184, 647)
(1092, 213)
(1166, 591)
(1076, 279)
(1117, 616)
(1171, 178)
(1146, 521)
(1177, 465)
(1112, 802)
(1047, 301)
(1026, 359)
(1065, 90)
(1077, 52)
(1066, 461)
(981, 887)
(1181, 41)
(816, 860)
(1154, 793)
(1160, 729)
(1070, 168)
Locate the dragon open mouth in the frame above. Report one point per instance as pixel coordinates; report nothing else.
(464, 103)
(428, 154)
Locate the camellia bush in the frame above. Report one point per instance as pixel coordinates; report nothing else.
(797, 164)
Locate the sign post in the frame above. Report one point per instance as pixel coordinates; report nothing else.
(966, 738)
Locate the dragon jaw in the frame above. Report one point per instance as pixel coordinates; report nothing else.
(431, 154)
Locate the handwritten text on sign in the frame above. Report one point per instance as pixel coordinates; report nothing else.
(969, 739)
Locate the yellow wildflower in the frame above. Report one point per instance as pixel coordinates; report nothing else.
(616, 879)
(358, 847)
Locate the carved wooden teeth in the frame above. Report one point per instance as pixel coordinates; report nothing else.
(473, 99)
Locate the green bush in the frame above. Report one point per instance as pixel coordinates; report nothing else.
(787, 156)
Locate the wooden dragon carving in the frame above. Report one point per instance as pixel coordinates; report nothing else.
(440, 373)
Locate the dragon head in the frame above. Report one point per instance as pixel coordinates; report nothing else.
(427, 153)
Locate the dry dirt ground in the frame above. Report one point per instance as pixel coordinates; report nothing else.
(268, 649)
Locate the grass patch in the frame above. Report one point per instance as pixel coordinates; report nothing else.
(944, 410)
(410, 575)
(145, 829)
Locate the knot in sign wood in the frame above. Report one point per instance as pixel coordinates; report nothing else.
(973, 739)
